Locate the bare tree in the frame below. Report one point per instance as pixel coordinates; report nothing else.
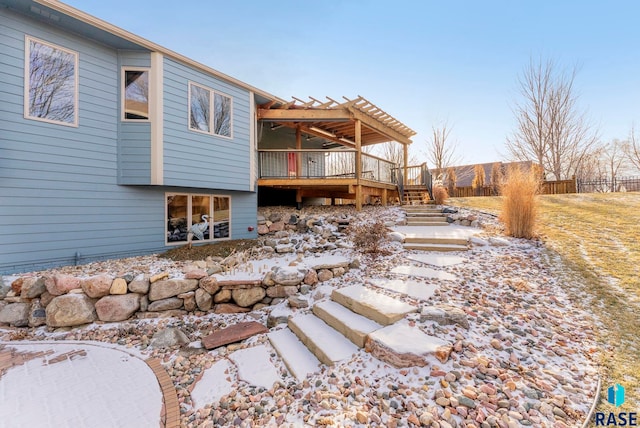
(551, 130)
(441, 150)
(632, 149)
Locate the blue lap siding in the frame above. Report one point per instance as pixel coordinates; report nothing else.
(76, 194)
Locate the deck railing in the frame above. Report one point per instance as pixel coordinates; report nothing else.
(330, 164)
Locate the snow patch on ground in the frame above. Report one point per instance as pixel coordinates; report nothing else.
(255, 367)
(423, 272)
(214, 384)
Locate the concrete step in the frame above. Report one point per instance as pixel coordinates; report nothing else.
(425, 207)
(327, 344)
(353, 326)
(427, 223)
(299, 360)
(379, 307)
(434, 240)
(432, 218)
(422, 213)
(436, 247)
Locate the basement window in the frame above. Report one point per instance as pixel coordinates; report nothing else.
(196, 217)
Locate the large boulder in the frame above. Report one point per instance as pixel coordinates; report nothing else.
(117, 307)
(171, 287)
(37, 314)
(96, 286)
(70, 310)
(61, 284)
(15, 314)
(165, 304)
(210, 285)
(140, 284)
(204, 300)
(282, 291)
(168, 337)
(289, 275)
(248, 296)
(32, 287)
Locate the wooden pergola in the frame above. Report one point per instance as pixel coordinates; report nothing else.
(353, 124)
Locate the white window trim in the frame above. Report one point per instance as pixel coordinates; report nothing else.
(190, 215)
(123, 118)
(27, 55)
(212, 93)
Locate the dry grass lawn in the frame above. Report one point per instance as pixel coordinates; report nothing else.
(594, 239)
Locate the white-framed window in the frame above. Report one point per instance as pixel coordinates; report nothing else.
(51, 83)
(210, 111)
(197, 217)
(135, 94)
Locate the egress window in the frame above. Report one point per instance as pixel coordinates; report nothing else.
(51, 83)
(136, 94)
(197, 217)
(209, 111)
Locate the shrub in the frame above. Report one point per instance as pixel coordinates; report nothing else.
(520, 206)
(451, 180)
(369, 237)
(440, 194)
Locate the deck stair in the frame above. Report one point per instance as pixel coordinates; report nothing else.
(336, 328)
(425, 215)
(416, 195)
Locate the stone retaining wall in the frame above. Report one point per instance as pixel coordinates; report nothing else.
(63, 300)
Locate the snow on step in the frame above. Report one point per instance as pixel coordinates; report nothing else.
(325, 342)
(297, 357)
(213, 385)
(436, 260)
(408, 287)
(371, 304)
(255, 367)
(435, 247)
(403, 346)
(423, 272)
(353, 326)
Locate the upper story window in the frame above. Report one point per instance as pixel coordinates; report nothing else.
(51, 83)
(209, 111)
(135, 94)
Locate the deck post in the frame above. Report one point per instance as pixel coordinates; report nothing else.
(299, 153)
(406, 157)
(358, 135)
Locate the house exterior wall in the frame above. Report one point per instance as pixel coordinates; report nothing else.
(61, 195)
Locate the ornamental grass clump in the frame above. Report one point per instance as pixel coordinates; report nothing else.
(440, 194)
(520, 205)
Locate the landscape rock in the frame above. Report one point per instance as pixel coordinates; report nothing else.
(118, 286)
(165, 304)
(288, 275)
(15, 314)
(189, 300)
(325, 275)
(117, 307)
(204, 300)
(498, 242)
(195, 274)
(311, 277)
(32, 287)
(70, 310)
(168, 337)
(210, 285)
(37, 314)
(229, 308)
(140, 284)
(96, 286)
(223, 296)
(284, 248)
(396, 237)
(248, 296)
(263, 229)
(60, 284)
(298, 302)
(478, 242)
(445, 315)
(282, 291)
(171, 287)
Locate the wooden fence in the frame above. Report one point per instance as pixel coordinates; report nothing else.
(559, 187)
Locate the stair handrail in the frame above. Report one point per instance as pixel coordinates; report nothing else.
(399, 182)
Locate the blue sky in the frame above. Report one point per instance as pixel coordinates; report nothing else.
(423, 62)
